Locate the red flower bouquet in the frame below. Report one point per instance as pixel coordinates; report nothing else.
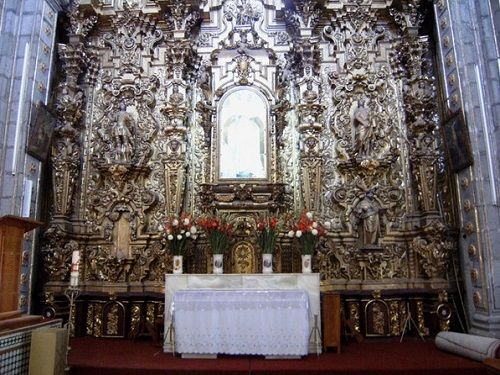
(218, 231)
(267, 232)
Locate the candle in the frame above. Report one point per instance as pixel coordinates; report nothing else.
(75, 260)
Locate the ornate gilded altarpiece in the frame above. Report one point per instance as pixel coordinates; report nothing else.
(342, 119)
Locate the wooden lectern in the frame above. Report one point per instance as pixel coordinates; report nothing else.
(12, 229)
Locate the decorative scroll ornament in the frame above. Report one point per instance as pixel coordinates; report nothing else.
(148, 263)
(242, 12)
(182, 18)
(409, 18)
(434, 250)
(243, 71)
(56, 256)
(302, 15)
(132, 35)
(242, 16)
(80, 22)
(345, 262)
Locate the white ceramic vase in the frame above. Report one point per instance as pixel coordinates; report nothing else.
(218, 260)
(306, 263)
(267, 263)
(177, 260)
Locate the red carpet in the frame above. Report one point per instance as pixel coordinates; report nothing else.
(91, 356)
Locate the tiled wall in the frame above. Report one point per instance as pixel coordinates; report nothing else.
(15, 349)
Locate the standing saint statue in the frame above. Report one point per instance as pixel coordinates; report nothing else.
(368, 213)
(121, 134)
(364, 130)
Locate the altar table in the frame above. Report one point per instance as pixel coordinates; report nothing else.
(308, 282)
(270, 322)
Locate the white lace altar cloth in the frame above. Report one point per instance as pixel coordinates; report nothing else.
(265, 322)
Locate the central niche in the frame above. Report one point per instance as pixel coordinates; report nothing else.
(243, 145)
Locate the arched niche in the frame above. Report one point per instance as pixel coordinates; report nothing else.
(242, 134)
(243, 159)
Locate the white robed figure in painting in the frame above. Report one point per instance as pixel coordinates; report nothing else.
(242, 136)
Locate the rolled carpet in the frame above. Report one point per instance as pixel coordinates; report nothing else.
(470, 346)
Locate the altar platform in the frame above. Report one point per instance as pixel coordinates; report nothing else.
(94, 356)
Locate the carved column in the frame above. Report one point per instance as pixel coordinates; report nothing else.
(310, 129)
(204, 106)
(432, 246)
(66, 152)
(303, 17)
(420, 105)
(181, 59)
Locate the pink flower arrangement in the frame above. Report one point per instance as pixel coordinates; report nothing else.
(179, 229)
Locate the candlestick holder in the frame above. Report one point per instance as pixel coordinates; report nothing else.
(315, 336)
(72, 293)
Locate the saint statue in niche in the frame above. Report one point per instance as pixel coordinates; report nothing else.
(242, 136)
(364, 130)
(367, 213)
(121, 134)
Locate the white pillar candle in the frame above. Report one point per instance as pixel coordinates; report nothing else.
(75, 261)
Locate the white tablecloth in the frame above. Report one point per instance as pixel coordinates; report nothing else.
(266, 322)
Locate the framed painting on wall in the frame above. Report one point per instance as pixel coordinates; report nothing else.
(41, 129)
(457, 141)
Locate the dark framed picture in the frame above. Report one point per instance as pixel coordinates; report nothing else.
(41, 129)
(457, 141)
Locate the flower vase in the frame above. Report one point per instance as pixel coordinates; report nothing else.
(267, 263)
(218, 260)
(177, 263)
(306, 263)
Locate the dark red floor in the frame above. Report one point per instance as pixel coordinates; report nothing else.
(111, 356)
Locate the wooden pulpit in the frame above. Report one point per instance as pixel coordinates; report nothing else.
(12, 229)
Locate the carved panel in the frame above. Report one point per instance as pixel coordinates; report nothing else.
(243, 258)
(113, 319)
(377, 318)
